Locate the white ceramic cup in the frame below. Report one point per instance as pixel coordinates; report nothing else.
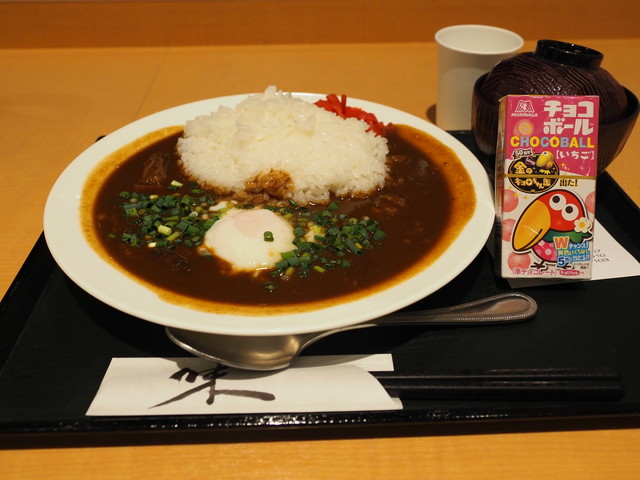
(465, 52)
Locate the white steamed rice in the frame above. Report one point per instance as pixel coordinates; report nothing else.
(321, 152)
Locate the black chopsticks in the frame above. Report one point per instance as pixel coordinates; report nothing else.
(594, 384)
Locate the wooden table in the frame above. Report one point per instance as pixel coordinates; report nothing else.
(55, 102)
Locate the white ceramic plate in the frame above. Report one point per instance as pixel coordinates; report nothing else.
(85, 267)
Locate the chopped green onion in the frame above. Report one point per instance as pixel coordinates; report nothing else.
(324, 240)
(164, 230)
(174, 236)
(379, 235)
(288, 255)
(305, 258)
(294, 261)
(282, 264)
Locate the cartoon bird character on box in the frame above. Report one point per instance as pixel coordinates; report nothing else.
(545, 161)
(549, 224)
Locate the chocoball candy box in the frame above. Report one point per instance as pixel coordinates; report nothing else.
(546, 168)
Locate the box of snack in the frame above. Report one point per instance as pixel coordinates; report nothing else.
(546, 168)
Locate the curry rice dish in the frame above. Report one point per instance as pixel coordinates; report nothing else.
(261, 250)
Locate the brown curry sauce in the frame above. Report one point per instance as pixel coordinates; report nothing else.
(428, 200)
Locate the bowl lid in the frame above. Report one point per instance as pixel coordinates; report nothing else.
(568, 54)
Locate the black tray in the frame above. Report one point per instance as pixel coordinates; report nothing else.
(56, 342)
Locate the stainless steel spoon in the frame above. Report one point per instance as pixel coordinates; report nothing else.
(274, 352)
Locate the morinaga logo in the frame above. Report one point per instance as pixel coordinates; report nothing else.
(524, 108)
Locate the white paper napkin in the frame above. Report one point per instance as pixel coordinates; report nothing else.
(188, 386)
(610, 259)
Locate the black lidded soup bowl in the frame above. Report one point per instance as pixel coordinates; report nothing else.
(556, 68)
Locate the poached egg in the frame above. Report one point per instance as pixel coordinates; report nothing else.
(250, 240)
